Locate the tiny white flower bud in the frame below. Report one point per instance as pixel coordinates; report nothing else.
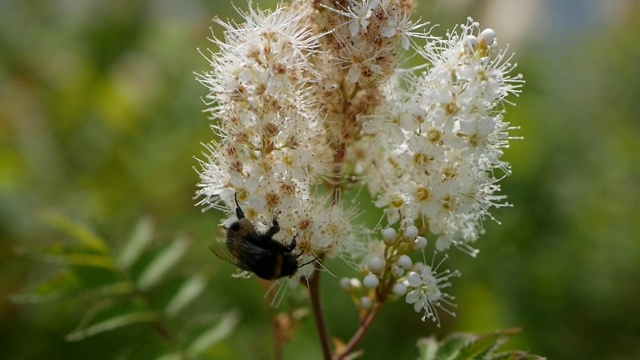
(411, 232)
(471, 44)
(345, 284)
(389, 236)
(371, 281)
(355, 284)
(420, 243)
(366, 302)
(420, 267)
(405, 262)
(376, 265)
(487, 37)
(399, 289)
(397, 271)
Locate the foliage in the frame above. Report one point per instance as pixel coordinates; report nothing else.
(465, 346)
(121, 288)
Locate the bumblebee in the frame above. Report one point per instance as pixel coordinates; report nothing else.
(258, 252)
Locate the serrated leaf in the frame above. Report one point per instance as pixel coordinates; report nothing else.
(485, 344)
(54, 288)
(427, 348)
(141, 237)
(450, 347)
(215, 334)
(112, 324)
(78, 232)
(162, 263)
(462, 346)
(189, 290)
(479, 347)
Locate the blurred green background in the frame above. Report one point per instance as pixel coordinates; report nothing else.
(100, 120)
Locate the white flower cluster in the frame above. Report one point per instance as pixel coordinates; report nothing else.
(439, 142)
(272, 150)
(368, 36)
(309, 97)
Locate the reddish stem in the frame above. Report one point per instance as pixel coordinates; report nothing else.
(318, 314)
(365, 325)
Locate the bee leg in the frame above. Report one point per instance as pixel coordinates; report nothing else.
(239, 212)
(293, 244)
(275, 227)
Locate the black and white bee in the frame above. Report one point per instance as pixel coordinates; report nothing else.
(258, 252)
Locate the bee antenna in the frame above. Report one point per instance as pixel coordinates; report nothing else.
(315, 258)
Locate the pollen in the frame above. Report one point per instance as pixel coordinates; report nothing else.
(421, 158)
(304, 224)
(397, 201)
(423, 194)
(287, 159)
(270, 130)
(231, 151)
(288, 188)
(304, 247)
(449, 173)
(452, 108)
(273, 200)
(434, 135)
(449, 203)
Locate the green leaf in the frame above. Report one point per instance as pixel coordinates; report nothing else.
(63, 255)
(215, 334)
(81, 259)
(480, 347)
(112, 324)
(78, 232)
(450, 347)
(54, 288)
(486, 344)
(163, 262)
(140, 238)
(463, 346)
(427, 347)
(516, 355)
(114, 289)
(189, 290)
(114, 320)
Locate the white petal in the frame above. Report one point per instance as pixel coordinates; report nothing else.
(354, 74)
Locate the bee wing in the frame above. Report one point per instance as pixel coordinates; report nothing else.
(246, 252)
(222, 251)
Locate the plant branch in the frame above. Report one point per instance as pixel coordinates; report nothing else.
(365, 325)
(318, 313)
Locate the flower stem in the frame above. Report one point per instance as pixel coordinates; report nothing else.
(318, 314)
(365, 325)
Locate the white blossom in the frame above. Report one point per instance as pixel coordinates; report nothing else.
(310, 98)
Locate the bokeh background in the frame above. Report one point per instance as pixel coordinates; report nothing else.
(101, 121)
